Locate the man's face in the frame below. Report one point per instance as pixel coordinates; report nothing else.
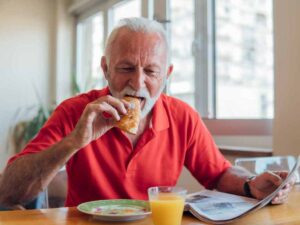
(137, 67)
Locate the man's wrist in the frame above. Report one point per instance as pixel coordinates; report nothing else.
(246, 187)
(71, 143)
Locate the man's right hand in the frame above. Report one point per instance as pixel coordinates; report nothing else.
(93, 122)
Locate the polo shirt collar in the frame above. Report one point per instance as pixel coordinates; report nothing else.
(160, 119)
(106, 91)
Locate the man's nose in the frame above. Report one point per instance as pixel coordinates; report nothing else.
(137, 80)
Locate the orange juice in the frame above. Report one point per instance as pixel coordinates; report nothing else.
(167, 209)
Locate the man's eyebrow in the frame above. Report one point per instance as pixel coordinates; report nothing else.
(129, 63)
(153, 65)
(125, 62)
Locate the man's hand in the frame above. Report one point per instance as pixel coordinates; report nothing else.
(97, 118)
(267, 182)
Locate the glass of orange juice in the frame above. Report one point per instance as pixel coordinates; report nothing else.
(167, 204)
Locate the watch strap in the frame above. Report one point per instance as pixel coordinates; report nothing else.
(247, 190)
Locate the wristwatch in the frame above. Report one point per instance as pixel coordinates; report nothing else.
(247, 190)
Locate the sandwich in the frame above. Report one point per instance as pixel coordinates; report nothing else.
(130, 122)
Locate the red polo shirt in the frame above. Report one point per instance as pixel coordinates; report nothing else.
(110, 167)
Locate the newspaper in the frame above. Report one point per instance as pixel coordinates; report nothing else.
(219, 208)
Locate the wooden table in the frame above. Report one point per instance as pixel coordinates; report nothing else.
(288, 213)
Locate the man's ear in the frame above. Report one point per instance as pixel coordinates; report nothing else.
(170, 70)
(104, 66)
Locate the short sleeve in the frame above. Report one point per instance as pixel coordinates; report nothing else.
(203, 158)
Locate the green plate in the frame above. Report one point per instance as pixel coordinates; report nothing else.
(116, 210)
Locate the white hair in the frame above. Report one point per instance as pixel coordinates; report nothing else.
(136, 24)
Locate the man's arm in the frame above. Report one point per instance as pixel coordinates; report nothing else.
(234, 178)
(25, 177)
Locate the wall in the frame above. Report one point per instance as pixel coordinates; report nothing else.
(286, 133)
(26, 43)
(65, 48)
(30, 31)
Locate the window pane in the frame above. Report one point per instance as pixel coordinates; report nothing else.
(131, 8)
(182, 35)
(244, 59)
(89, 51)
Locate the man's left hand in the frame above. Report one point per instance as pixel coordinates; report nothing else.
(264, 184)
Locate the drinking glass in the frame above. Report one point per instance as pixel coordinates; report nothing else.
(167, 204)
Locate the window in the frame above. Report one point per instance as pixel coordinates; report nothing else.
(244, 65)
(182, 79)
(228, 53)
(126, 9)
(91, 40)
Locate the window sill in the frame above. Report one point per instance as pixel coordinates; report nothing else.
(258, 127)
(245, 151)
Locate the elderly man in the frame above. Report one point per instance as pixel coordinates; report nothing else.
(104, 162)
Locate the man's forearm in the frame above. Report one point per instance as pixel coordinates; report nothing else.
(233, 180)
(24, 178)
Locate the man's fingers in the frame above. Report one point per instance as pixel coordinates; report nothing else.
(288, 187)
(116, 103)
(103, 107)
(282, 195)
(126, 103)
(274, 178)
(268, 182)
(291, 181)
(110, 106)
(282, 174)
(279, 199)
(107, 108)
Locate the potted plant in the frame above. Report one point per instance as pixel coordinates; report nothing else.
(25, 130)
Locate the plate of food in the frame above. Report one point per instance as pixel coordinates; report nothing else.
(116, 210)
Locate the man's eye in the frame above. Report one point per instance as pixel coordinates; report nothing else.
(126, 69)
(151, 72)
